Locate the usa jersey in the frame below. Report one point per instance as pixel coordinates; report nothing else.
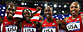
(8, 26)
(26, 27)
(50, 27)
(74, 25)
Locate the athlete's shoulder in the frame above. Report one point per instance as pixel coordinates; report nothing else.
(81, 14)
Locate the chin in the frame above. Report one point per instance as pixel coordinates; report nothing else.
(73, 14)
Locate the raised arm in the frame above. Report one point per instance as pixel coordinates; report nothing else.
(37, 9)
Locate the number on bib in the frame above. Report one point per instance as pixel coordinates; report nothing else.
(11, 28)
(49, 29)
(27, 29)
(73, 26)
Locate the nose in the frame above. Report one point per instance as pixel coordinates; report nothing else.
(11, 11)
(73, 8)
(47, 12)
(27, 15)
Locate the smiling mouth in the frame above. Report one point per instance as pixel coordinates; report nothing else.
(10, 13)
(47, 15)
(73, 11)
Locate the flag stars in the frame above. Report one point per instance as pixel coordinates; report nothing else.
(57, 17)
(3, 10)
(63, 16)
(2, 14)
(3, 7)
(52, 16)
(60, 18)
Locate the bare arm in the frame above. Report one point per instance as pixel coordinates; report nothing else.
(62, 24)
(37, 9)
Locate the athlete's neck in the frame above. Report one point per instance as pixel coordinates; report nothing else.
(49, 20)
(74, 16)
(10, 18)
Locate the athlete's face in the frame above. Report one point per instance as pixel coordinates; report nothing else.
(48, 13)
(27, 14)
(74, 8)
(10, 10)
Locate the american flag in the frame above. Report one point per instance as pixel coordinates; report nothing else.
(2, 10)
(19, 13)
(59, 16)
(34, 18)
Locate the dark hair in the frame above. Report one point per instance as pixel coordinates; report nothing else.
(76, 2)
(23, 15)
(26, 9)
(13, 2)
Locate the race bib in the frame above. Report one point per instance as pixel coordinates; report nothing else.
(11, 28)
(49, 29)
(29, 29)
(73, 26)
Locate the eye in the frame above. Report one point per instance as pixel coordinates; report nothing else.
(76, 7)
(26, 13)
(49, 11)
(71, 7)
(11, 9)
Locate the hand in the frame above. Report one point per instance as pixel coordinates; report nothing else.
(38, 8)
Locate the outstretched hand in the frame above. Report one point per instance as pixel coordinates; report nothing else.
(38, 8)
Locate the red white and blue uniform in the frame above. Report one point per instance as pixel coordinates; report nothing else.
(74, 25)
(8, 26)
(50, 27)
(27, 27)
